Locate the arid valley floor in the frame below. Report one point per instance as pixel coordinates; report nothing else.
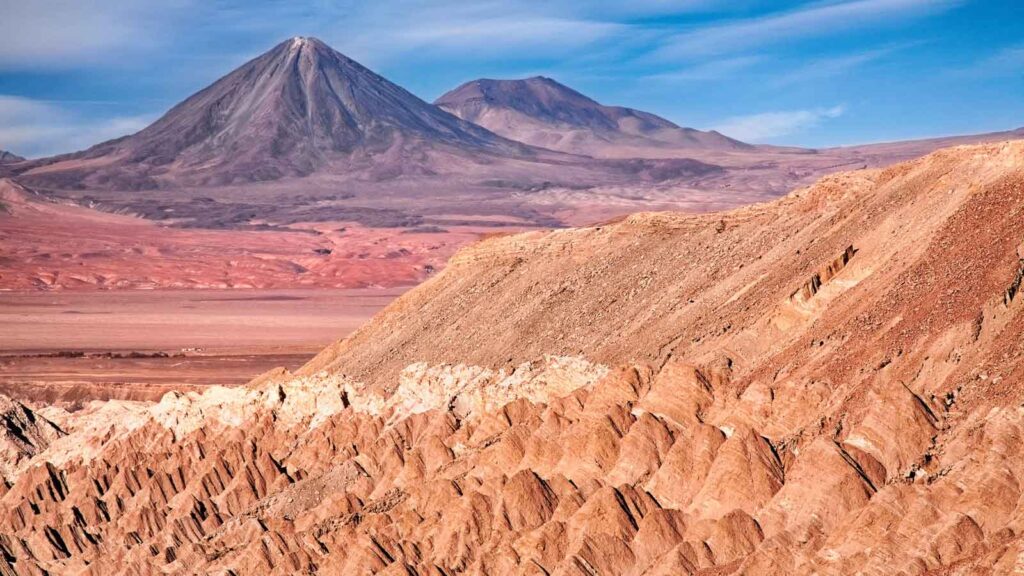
(67, 348)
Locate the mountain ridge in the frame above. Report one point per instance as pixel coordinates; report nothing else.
(9, 157)
(546, 113)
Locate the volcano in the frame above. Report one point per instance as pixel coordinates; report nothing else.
(299, 108)
(545, 113)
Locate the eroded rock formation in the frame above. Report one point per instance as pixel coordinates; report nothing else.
(643, 397)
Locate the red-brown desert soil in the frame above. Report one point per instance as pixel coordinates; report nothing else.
(46, 245)
(70, 347)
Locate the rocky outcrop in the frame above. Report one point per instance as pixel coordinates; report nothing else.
(636, 398)
(23, 434)
(1014, 287)
(811, 287)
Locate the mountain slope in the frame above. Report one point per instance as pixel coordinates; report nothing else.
(829, 383)
(9, 157)
(298, 108)
(542, 112)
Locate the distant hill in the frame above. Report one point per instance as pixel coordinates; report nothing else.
(541, 112)
(8, 157)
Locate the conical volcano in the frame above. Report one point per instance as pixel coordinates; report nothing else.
(296, 109)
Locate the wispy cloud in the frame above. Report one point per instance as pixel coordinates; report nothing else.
(35, 128)
(470, 30)
(829, 67)
(712, 70)
(66, 33)
(505, 33)
(778, 72)
(815, 20)
(770, 125)
(1007, 61)
(637, 8)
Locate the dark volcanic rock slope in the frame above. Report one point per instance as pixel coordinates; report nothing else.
(542, 112)
(289, 112)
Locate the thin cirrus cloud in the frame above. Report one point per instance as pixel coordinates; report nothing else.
(1007, 61)
(34, 128)
(56, 33)
(483, 30)
(719, 69)
(501, 34)
(771, 125)
(822, 68)
(68, 33)
(513, 29)
(816, 20)
(774, 72)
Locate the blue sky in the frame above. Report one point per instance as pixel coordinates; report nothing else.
(821, 73)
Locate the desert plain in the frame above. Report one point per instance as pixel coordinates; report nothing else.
(72, 347)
